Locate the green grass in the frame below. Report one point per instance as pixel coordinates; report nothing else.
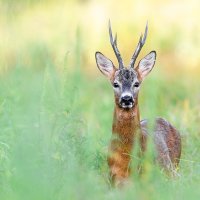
(56, 125)
(56, 108)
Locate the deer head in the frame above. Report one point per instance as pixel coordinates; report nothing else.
(126, 81)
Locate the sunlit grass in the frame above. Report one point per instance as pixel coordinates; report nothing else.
(56, 107)
(56, 126)
(173, 29)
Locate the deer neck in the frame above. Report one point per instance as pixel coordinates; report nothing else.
(126, 122)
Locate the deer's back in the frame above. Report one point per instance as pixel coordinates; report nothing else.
(167, 141)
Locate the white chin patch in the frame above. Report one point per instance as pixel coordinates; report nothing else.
(127, 106)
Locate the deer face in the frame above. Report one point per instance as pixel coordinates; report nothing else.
(126, 87)
(126, 81)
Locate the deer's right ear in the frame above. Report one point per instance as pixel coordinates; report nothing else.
(104, 64)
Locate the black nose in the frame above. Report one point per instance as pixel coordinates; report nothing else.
(127, 99)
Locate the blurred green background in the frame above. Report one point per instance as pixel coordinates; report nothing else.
(56, 107)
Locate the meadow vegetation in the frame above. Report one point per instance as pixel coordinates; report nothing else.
(56, 107)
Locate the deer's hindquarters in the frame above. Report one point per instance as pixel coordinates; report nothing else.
(168, 144)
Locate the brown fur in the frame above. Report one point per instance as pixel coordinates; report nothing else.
(126, 121)
(126, 125)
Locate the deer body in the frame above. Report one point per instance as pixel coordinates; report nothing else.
(126, 120)
(126, 125)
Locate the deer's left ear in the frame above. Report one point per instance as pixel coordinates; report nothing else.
(146, 64)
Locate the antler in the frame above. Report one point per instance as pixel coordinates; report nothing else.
(139, 47)
(114, 46)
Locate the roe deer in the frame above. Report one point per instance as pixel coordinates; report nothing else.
(126, 121)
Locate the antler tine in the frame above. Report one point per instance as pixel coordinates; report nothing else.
(114, 46)
(139, 47)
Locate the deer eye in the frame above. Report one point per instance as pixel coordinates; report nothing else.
(115, 85)
(137, 84)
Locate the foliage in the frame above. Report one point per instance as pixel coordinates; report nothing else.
(56, 110)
